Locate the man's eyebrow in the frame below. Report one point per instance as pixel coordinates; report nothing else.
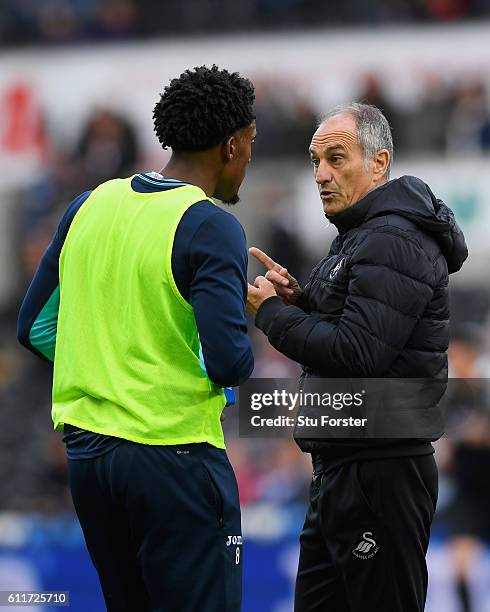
(334, 148)
(331, 149)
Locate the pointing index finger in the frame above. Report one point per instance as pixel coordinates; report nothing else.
(264, 259)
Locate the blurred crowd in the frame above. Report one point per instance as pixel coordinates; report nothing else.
(32, 461)
(451, 117)
(66, 21)
(273, 471)
(448, 116)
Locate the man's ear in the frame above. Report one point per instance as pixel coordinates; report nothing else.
(381, 161)
(230, 149)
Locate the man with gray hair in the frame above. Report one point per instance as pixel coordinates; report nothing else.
(375, 307)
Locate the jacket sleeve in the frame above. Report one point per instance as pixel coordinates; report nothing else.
(390, 285)
(38, 317)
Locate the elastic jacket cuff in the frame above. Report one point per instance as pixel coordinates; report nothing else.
(267, 313)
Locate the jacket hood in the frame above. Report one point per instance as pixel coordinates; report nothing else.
(411, 198)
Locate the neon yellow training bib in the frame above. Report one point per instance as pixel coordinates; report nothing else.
(127, 347)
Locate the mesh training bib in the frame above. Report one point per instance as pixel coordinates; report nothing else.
(127, 348)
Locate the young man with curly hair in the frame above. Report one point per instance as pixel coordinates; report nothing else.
(140, 303)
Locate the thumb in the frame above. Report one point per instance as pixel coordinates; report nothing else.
(260, 281)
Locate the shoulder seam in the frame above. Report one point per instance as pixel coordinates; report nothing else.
(398, 233)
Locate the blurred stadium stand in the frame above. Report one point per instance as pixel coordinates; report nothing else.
(29, 22)
(73, 114)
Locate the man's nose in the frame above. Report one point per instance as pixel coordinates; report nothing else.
(323, 174)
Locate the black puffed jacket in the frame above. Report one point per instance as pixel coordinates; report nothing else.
(377, 304)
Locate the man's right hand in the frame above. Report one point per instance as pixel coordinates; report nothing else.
(286, 286)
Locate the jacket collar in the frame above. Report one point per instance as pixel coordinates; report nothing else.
(356, 214)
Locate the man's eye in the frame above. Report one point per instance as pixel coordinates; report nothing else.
(335, 158)
(315, 162)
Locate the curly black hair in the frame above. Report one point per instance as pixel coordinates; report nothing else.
(202, 108)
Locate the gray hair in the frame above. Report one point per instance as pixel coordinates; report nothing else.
(373, 129)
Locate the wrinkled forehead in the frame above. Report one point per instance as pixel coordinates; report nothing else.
(337, 131)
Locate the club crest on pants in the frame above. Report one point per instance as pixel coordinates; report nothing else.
(367, 547)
